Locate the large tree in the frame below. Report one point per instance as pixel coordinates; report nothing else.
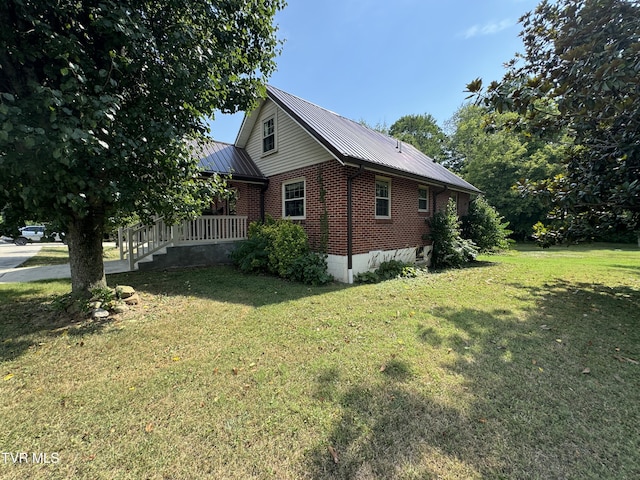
(423, 132)
(100, 101)
(579, 74)
(495, 159)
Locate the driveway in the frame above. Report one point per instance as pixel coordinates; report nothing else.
(12, 255)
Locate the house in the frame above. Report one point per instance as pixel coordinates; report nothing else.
(361, 196)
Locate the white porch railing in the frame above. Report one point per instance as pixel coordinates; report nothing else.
(141, 241)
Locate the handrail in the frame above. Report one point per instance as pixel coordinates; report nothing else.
(140, 241)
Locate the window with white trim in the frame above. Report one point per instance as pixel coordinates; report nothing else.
(383, 198)
(423, 199)
(293, 199)
(269, 135)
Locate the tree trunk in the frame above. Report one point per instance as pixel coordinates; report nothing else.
(85, 255)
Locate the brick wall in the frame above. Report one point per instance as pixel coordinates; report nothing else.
(248, 199)
(404, 229)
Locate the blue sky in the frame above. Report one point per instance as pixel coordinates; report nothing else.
(377, 60)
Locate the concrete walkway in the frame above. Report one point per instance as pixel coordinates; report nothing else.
(33, 274)
(12, 255)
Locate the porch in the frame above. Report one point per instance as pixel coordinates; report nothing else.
(140, 242)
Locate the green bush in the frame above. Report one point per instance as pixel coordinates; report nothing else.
(449, 248)
(485, 227)
(310, 268)
(388, 270)
(281, 247)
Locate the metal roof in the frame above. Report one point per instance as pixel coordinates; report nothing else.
(224, 158)
(353, 143)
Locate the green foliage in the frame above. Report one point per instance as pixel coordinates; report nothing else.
(310, 268)
(388, 271)
(579, 74)
(281, 247)
(286, 241)
(251, 255)
(485, 227)
(422, 132)
(495, 159)
(449, 248)
(100, 103)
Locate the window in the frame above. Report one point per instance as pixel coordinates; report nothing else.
(293, 199)
(269, 135)
(383, 198)
(423, 199)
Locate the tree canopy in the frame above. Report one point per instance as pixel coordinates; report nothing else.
(100, 99)
(579, 74)
(421, 131)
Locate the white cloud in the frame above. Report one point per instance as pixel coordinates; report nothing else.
(490, 28)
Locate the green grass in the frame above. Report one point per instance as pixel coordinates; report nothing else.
(470, 373)
(59, 255)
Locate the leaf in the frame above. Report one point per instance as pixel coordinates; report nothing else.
(333, 453)
(545, 327)
(586, 370)
(176, 359)
(149, 428)
(8, 376)
(559, 340)
(383, 368)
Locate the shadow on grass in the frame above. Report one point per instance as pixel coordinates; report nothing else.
(27, 312)
(527, 408)
(221, 283)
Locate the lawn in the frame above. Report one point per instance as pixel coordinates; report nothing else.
(524, 366)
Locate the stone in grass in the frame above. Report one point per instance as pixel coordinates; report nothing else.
(100, 313)
(132, 300)
(120, 307)
(125, 291)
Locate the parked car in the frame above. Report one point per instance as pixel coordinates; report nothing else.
(35, 233)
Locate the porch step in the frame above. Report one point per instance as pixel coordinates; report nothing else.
(150, 259)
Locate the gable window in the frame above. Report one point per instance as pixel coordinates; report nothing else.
(383, 198)
(423, 199)
(293, 199)
(269, 135)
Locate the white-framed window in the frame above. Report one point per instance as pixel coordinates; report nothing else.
(383, 198)
(269, 135)
(423, 198)
(293, 199)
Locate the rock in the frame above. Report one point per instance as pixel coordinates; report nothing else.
(100, 313)
(120, 307)
(132, 300)
(125, 291)
(95, 304)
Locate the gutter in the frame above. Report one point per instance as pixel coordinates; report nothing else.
(350, 223)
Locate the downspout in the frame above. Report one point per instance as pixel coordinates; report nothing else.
(263, 190)
(350, 223)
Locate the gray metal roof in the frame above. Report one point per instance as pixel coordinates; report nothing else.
(224, 158)
(354, 143)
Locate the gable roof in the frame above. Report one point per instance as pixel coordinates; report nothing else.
(224, 158)
(355, 144)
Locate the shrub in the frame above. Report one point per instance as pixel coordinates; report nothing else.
(449, 248)
(251, 255)
(286, 241)
(310, 268)
(281, 247)
(387, 271)
(485, 227)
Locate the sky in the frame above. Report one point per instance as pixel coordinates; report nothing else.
(378, 60)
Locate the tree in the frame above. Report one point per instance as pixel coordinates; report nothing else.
(579, 74)
(422, 132)
(495, 159)
(101, 100)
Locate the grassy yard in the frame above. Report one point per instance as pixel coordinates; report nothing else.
(59, 255)
(523, 366)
